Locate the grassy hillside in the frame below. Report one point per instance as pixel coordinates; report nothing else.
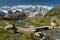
(38, 20)
(54, 12)
(17, 16)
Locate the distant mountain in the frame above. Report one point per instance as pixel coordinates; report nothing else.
(29, 10)
(54, 11)
(35, 10)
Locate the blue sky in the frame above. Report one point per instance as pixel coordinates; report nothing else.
(31, 2)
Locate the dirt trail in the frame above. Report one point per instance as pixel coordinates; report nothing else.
(25, 29)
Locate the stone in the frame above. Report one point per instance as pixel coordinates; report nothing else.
(10, 28)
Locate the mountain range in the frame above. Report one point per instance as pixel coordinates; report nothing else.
(29, 10)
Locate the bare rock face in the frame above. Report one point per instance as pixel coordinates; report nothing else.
(10, 28)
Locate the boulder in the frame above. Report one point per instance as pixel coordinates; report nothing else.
(10, 28)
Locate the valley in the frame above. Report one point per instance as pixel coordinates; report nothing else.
(24, 24)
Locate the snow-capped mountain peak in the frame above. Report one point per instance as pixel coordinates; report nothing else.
(29, 10)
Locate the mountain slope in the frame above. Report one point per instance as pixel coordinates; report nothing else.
(17, 16)
(54, 12)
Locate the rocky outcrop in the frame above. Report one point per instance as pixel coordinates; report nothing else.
(10, 28)
(41, 36)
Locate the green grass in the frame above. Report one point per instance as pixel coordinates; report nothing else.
(2, 23)
(38, 20)
(20, 36)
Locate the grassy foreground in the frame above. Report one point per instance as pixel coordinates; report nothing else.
(9, 36)
(19, 36)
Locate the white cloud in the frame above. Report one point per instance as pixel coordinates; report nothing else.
(5, 7)
(26, 6)
(22, 6)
